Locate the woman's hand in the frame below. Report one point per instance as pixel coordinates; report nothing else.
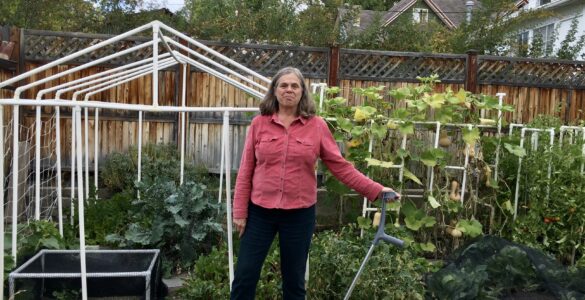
(386, 190)
(240, 225)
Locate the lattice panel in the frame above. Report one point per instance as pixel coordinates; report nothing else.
(267, 60)
(527, 72)
(46, 47)
(394, 66)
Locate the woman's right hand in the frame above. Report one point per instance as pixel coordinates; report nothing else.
(240, 225)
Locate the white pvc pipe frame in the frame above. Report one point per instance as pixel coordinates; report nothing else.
(156, 65)
(534, 145)
(572, 130)
(77, 106)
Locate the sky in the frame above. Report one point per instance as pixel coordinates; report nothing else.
(172, 5)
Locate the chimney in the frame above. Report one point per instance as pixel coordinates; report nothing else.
(469, 6)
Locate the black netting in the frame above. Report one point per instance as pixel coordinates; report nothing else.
(109, 264)
(493, 268)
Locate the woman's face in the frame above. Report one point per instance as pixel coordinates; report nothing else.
(288, 91)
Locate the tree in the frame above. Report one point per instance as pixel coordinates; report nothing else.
(492, 30)
(63, 15)
(377, 5)
(571, 46)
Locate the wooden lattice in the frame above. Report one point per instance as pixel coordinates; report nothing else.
(395, 66)
(48, 46)
(267, 60)
(314, 62)
(531, 72)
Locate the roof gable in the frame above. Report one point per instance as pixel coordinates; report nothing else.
(439, 7)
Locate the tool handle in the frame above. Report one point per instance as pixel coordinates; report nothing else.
(390, 239)
(389, 196)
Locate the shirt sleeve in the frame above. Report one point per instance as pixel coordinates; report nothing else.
(243, 189)
(343, 170)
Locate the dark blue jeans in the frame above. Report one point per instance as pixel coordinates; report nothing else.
(295, 228)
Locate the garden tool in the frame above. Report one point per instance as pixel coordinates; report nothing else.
(380, 235)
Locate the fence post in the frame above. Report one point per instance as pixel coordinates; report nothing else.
(333, 74)
(471, 72)
(568, 106)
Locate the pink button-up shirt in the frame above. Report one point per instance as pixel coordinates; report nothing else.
(277, 169)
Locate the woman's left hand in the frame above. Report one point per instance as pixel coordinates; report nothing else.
(389, 190)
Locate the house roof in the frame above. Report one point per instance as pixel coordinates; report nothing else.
(451, 12)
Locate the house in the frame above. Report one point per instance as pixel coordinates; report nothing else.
(553, 29)
(450, 13)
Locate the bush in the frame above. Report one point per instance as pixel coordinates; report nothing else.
(118, 172)
(335, 258)
(106, 216)
(182, 221)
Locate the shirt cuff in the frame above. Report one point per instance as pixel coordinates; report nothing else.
(375, 192)
(240, 213)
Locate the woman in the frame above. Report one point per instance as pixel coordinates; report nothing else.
(276, 188)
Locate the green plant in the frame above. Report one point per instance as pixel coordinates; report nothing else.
(440, 218)
(107, 216)
(38, 235)
(493, 268)
(179, 220)
(158, 161)
(118, 172)
(67, 295)
(334, 260)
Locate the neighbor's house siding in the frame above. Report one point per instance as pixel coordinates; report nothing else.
(564, 12)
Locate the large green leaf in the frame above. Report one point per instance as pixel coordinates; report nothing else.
(400, 113)
(345, 124)
(416, 218)
(400, 93)
(179, 220)
(357, 131)
(435, 100)
(379, 131)
(411, 176)
(431, 157)
(428, 247)
(137, 235)
(379, 163)
(337, 101)
(515, 149)
(433, 202)
(470, 136)
(406, 128)
(50, 243)
(471, 227)
(364, 223)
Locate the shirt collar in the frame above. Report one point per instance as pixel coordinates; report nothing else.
(274, 119)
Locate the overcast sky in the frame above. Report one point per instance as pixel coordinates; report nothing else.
(172, 5)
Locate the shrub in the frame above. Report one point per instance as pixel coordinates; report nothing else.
(179, 220)
(335, 257)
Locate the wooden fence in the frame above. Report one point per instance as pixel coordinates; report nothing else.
(533, 86)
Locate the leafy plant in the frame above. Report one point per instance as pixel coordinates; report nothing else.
(334, 260)
(179, 220)
(107, 216)
(383, 125)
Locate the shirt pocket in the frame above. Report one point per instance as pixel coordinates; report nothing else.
(268, 148)
(303, 148)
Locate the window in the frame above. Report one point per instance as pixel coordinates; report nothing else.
(420, 15)
(547, 35)
(523, 43)
(523, 38)
(543, 2)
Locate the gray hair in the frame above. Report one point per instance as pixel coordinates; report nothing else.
(269, 104)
